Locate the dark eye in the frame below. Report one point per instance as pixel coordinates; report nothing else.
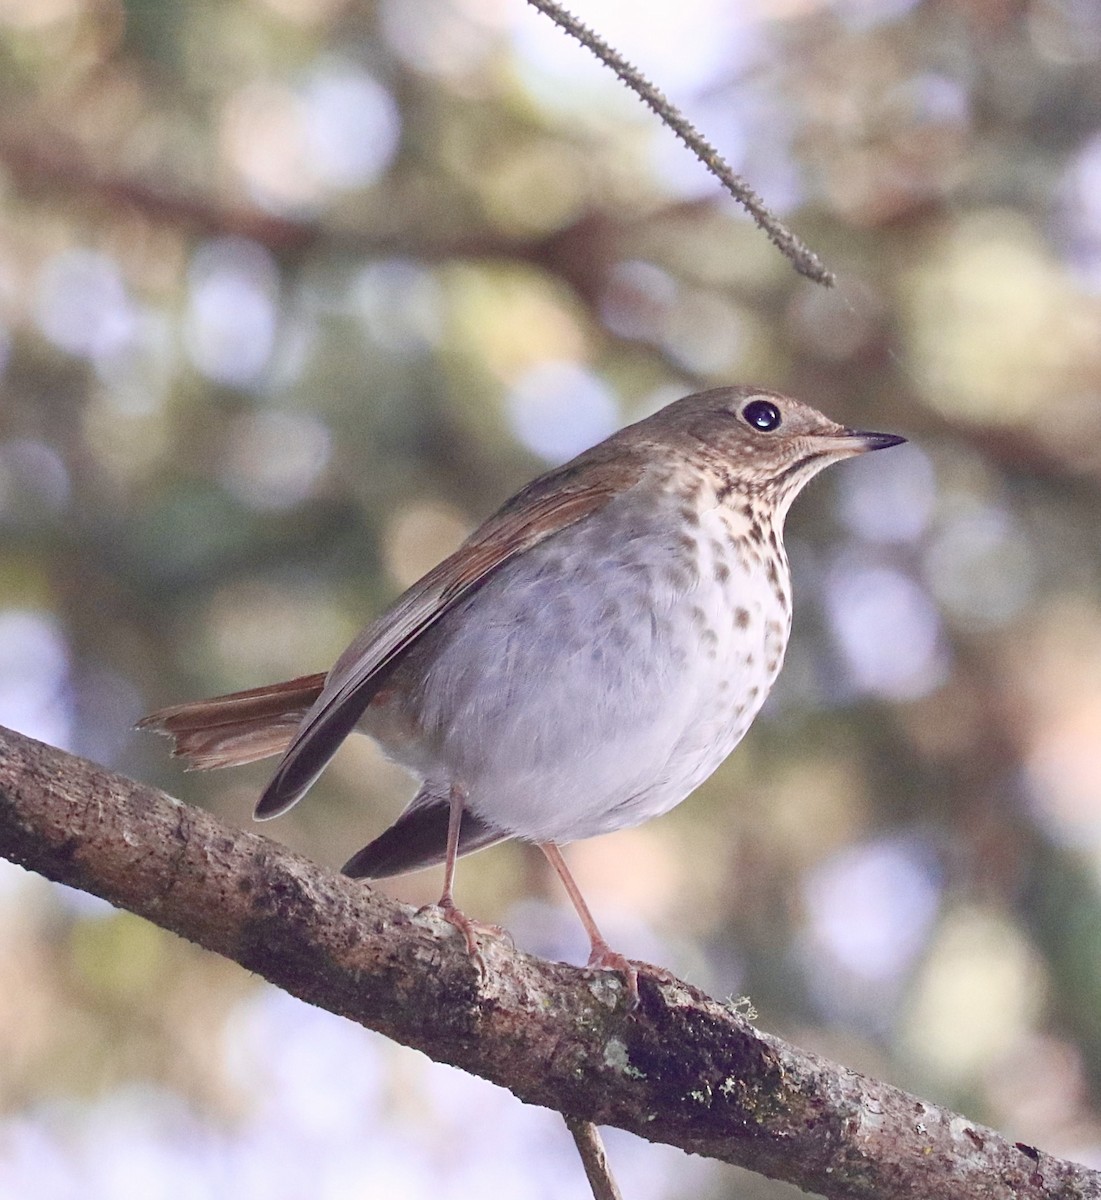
(762, 414)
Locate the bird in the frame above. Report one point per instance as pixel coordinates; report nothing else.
(580, 664)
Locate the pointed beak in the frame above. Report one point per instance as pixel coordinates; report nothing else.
(872, 441)
(862, 440)
(846, 443)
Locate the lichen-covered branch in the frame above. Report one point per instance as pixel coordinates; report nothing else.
(681, 1068)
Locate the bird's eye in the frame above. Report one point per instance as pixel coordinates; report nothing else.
(762, 414)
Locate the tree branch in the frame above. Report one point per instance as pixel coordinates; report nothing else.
(681, 1069)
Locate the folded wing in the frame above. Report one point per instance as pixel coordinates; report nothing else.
(548, 505)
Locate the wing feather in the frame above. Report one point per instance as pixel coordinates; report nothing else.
(548, 505)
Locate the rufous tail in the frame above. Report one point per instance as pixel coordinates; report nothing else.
(242, 727)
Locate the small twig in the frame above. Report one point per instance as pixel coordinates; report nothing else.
(802, 258)
(594, 1158)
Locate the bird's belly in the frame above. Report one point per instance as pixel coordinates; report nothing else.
(574, 695)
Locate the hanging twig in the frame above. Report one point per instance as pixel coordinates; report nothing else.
(802, 258)
(594, 1158)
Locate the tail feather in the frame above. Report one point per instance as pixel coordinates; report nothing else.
(243, 727)
(418, 838)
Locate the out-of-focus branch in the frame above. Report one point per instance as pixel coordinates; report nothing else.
(42, 158)
(800, 255)
(681, 1068)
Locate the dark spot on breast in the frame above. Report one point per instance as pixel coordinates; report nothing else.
(562, 610)
(741, 618)
(640, 571)
(722, 571)
(678, 577)
(689, 515)
(618, 638)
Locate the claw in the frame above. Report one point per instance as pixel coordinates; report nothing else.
(470, 929)
(605, 958)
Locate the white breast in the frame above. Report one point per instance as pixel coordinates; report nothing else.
(595, 681)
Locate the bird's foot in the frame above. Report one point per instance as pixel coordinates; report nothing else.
(607, 959)
(469, 928)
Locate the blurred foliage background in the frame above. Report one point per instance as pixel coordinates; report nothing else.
(294, 292)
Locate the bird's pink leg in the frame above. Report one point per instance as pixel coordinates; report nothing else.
(602, 955)
(451, 911)
(447, 905)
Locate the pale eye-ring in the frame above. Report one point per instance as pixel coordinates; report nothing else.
(762, 415)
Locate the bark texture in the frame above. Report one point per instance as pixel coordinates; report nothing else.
(681, 1068)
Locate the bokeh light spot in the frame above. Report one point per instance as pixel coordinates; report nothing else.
(232, 310)
(1081, 191)
(637, 300)
(870, 907)
(38, 14)
(888, 497)
(263, 136)
(274, 459)
(400, 305)
(33, 479)
(420, 536)
(34, 670)
(352, 126)
(887, 628)
(994, 323)
(445, 38)
(981, 567)
(83, 305)
(558, 409)
(953, 1030)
